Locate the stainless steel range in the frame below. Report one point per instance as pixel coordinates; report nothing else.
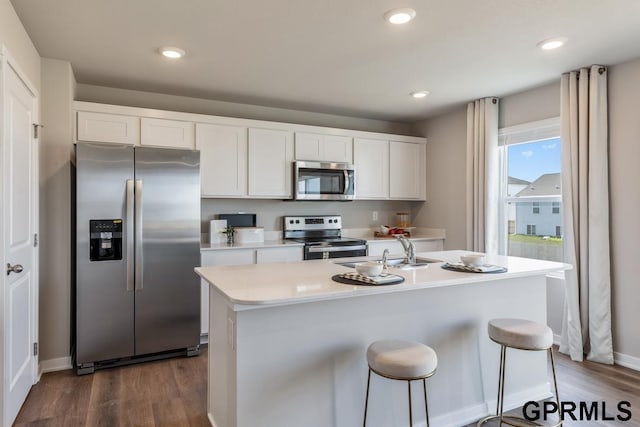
(322, 237)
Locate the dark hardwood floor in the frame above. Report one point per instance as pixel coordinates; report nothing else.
(173, 392)
(170, 392)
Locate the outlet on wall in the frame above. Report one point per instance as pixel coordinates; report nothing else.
(374, 215)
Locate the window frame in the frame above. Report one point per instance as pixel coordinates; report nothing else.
(529, 132)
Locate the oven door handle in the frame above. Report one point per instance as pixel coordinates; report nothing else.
(336, 248)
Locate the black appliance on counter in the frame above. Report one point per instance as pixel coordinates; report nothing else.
(241, 219)
(322, 237)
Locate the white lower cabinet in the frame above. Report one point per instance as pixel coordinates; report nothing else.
(287, 254)
(377, 247)
(240, 257)
(210, 258)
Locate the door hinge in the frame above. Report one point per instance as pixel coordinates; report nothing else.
(35, 348)
(35, 130)
(35, 240)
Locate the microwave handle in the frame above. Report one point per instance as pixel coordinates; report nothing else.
(346, 181)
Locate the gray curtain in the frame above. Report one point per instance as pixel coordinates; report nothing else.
(585, 196)
(483, 174)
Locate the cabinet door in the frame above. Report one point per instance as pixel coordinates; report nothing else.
(270, 163)
(166, 133)
(223, 160)
(222, 257)
(308, 146)
(338, 149)
(407, 178)
(100, 127)
(429, 245)
(323, 148)
(371, 158)
(286, 254)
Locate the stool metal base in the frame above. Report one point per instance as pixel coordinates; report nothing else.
(508, 419)
(424, 387)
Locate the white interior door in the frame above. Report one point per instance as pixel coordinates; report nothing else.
(19, 219)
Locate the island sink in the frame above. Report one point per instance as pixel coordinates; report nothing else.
(396, 263)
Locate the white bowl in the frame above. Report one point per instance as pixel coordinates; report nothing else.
(473, 260)
(370, 268)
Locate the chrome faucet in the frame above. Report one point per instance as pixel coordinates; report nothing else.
(409, 248)
(385, 257)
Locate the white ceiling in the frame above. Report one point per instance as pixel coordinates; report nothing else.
(332, 56)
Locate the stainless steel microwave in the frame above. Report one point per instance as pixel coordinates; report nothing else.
(323, 181)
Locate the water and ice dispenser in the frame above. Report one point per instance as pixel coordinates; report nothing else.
(105, 239)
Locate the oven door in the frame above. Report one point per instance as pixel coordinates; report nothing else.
(324, 181)
(325, 252)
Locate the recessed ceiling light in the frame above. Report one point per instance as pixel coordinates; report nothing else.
(400, 16)
(172, 52)
(553, 43)
(420, 94)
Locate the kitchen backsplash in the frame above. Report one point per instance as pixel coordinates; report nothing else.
(355, 214)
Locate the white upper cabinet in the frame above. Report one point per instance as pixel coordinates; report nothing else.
(101, 127)
(270, 163)
(323, 148)
(371, 159)
(407, 172)
(167, 133)
(223, 160)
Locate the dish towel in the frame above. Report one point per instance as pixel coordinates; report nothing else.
(487, 268)
(383, 279)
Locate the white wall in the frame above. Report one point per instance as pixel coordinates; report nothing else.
(446, 176)
(15, 38)
(624, 177)
(56, 147)
(135, 98)
(446, 137)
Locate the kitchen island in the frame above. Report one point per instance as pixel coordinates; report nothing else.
(287, 344)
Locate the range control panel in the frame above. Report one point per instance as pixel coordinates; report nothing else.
(323, 222)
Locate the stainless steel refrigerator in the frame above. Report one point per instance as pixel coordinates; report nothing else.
(137, 241)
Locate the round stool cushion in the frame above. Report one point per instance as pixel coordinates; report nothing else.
(520, 333)
(401, 359)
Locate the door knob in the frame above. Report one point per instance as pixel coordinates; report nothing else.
(14, 268)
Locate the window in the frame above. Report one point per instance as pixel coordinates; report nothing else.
(531, 193)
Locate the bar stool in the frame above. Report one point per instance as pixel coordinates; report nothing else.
(522, 335)
(401, 360)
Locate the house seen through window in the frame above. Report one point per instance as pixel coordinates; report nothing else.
(532, 193)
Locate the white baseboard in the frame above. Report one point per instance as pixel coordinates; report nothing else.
(626, 361)
(52, 365)
(204, 339)
(556, 339)
(210, 417)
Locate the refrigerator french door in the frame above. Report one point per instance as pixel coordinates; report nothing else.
(137, 213)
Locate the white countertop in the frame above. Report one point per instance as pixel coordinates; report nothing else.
(260, 285)
(249, 245)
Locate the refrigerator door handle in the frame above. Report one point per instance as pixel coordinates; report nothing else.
(138, 239)
(129, 235)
